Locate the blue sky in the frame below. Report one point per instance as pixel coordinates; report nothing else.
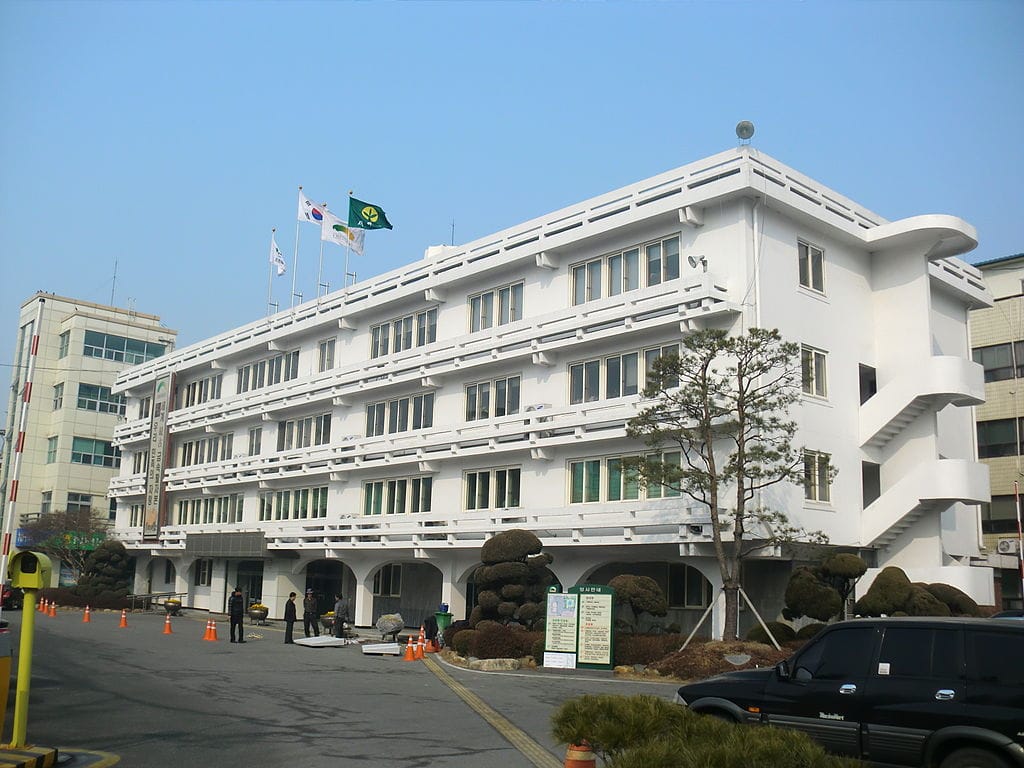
(171, 136)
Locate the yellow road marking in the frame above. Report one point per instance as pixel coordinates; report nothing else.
(515, 736)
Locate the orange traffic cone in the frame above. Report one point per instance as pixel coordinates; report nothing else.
(41, 608)
(167, 625)
(87, 616)
(124, 618)
(213, 631)
(418, 650)
(206, 634)
(580, 756)
(410, 654)
(53, 609)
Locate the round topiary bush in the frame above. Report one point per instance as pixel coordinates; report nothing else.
(783, 633)
(452, 629)
(488, 600)
(513, 592)
(464, 642)
(889, 593)
(806, 595)
(501, 642)
(808, 631)
(958, 601)
(923, 603)
(512, 545)
(507, 609)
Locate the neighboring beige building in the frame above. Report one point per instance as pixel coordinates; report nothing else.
(997, 339)
(67, 454)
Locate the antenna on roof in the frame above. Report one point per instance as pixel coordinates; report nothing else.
(744, 130)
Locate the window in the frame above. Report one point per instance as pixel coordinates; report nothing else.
(395, 414)
(51, 450)
(655, 491)
(375, 417)
(585, 481)
(46, 505)
(920, 652)
(140, 462)
(843, 654)
(96, 398)
(267, 373)
(135, 517)
(997, 361)
(145, 407)
(662, 260)
(995, 657)
(168, 572)
(509, 302)
(504, 482)
(64, 344)
(387, 582)
(112, 509)
(584, 382)
(423, 411)
(817, 476)
(204, 573)
(202, 390)
(404, 333)
(86, 450)
(812, 369)
(206, 449)
(999, 515)
(326, 355)
(79, 502)
(120, 349)
(397, 497)
(997, 437)
(622, 484)
(303, 433)
(586, 282)
(58, 396)
(505, 395)
(608, 479)
(650, 355)
(812, 266)
(621, 375)
(687, 587)
(255, 440)
(623, 272)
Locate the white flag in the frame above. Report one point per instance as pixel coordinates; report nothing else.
(314, 214)
(276, 257)
(334, 230)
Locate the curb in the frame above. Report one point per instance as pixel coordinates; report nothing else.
(27, 757)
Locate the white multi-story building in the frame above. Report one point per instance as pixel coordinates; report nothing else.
(370, 441)
(60, 423)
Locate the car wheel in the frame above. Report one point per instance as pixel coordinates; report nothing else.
(973, 757)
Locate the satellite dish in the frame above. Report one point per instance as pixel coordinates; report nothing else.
(744, 130)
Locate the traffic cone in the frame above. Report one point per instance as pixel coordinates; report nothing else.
(580, 756)
(206, 634)
(167, 625)
(41, 608)
(410, 654)
(418, 652)
(124, 618)
(86, 617)
(213, 631)
(53, 609)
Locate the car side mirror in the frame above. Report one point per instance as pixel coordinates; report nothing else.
(782, 670)
(803, 675)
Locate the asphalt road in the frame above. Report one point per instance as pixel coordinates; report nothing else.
(176, 701)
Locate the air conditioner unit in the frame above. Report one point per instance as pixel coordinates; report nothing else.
(1008, 546)
(537, 407)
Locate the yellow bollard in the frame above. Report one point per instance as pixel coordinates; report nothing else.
(28, 625)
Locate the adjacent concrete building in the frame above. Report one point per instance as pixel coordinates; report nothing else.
(61, 420)
(372, 440)
(997, 336)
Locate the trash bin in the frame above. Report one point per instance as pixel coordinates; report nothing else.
(444, 620)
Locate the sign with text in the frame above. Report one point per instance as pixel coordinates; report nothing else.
(560, 624)
(595, 626)
(163, 390)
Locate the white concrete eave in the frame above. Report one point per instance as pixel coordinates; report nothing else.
(940, 234)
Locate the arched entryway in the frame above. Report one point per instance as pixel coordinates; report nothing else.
(328, 578)
(411, 589)
(250, 580)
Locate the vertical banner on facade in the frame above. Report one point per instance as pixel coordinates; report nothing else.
(162, 392)
(560, 631)
(595, 638)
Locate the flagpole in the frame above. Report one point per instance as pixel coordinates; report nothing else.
(295, 258)
(270, 275)
(320, 270)
(345, 280)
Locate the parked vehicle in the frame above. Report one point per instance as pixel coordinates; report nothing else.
(12, 597)
(940, 693)
(1013, 613)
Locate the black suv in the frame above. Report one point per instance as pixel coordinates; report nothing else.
(899, 691)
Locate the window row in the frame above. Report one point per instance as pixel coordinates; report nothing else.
(92, 397)
(507, 299)
(498, 397)
(302, 433)
(397, 497)
(206, 449)
(267, 373)
(87, 450)
(1001, 361)
(404, 333)
(400, 415)
(620, 272)
(293, 504)
(110, 347)
(210, 509)
(1000, 437)
(202, 391)
(611, 479)
(619, 374)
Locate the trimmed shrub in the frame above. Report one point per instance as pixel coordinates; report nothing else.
(844, 565)
(487, 624)
(507, 609)
(476, 616)
(808, 631)
(512, 545)
(923, 603)
(488, 600)
(889, 593)
(783, 633)
(537, 650)
(528, 613)
(641, 593)
(958, 601)
(513, 591)
(464, 642)
(806, 595)
(503, 572)
(645, 649)
(450, 631)
(501, 642)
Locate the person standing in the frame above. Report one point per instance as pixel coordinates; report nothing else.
(289, 618)
(340, 615)
(309, 617)
(236, 610)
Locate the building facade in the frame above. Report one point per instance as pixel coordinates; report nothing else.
(62, 412)
(371, 441)
(997, 338)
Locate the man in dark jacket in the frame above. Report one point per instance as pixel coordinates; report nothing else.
(310, 619)
(289, 618)
(236, 610)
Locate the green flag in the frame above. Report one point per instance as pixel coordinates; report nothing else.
(366, 216)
